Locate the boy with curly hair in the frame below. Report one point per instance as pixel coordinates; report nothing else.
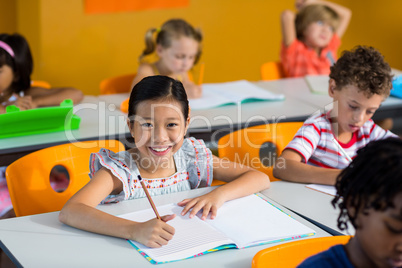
(369, 196)
(359, 82)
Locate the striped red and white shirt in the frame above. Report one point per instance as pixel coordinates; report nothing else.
(314, 141)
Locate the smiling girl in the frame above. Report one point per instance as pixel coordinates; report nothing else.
(168, 162)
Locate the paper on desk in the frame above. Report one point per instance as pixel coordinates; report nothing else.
(236, 92)
(318, 83)
(327, 189)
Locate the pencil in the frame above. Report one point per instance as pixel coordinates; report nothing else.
(149, 197)
(201, 77)
(342, 151)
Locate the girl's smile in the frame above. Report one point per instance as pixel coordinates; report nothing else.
(160, 151)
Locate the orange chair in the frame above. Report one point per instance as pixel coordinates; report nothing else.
(28, 177)
(293, 253)
(116, 84)
(272, 70)
(38, 83)
(258, 146)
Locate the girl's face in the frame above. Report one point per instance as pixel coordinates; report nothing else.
(318, 34)
(6, 77)
(352, 108)
(179, 57)
(158, 131)
(379, 236)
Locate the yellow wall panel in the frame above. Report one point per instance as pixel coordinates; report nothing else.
(72, 48)
(8, 16)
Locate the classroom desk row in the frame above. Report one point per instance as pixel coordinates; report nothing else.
(42, 241)
(101, 118)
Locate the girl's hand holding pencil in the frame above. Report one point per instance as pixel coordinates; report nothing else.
(154, 233)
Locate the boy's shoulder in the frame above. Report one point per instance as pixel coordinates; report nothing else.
(317, 119)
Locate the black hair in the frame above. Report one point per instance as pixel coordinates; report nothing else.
(371, 181)
(158, 87)
(22, 63)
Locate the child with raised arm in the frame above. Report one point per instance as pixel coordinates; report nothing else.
(16, 66)
(178, 47)
(168, 162)
(311, 38)
(359, 82)
(369, 195)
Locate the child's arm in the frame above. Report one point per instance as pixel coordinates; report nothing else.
(288, 27)
(80, 212)
(193, 91)
(54, 96)
(344, 13)
(24, 103)
(144, 70)
(242, 181)
(289, 167)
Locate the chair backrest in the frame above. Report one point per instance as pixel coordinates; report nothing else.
(258, 146)
(28, 178)
(39, 83)
(272, 70)
(293, 253)
(116, 84)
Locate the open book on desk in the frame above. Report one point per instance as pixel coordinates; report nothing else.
(318, 83)
(326, 189)
(237, 92)
(240, 223)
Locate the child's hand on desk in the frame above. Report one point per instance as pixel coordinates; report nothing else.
(208, 203)
(24, 103)
(154, 233)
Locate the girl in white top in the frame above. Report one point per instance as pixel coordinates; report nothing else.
(158, 121)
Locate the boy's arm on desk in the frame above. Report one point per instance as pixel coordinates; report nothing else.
(289, 167)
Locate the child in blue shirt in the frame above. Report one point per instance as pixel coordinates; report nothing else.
(369, 195)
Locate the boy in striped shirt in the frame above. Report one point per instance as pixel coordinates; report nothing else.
(359, 82)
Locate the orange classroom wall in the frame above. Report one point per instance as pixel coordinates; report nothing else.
(71, 48)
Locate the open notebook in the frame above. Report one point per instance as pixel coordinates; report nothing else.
(240, 223)
(237, 92)
(318, 83)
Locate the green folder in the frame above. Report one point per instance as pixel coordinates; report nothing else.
(37, 121)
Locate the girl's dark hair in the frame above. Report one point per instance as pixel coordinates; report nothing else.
(158, 87)
(371, 181)
(22, 63)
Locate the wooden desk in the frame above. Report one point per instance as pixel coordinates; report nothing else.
(42, 241)
(312, 205)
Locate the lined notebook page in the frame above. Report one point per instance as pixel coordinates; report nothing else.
(251, 220)
(240, 223)
(326, 189)
(192, 236)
